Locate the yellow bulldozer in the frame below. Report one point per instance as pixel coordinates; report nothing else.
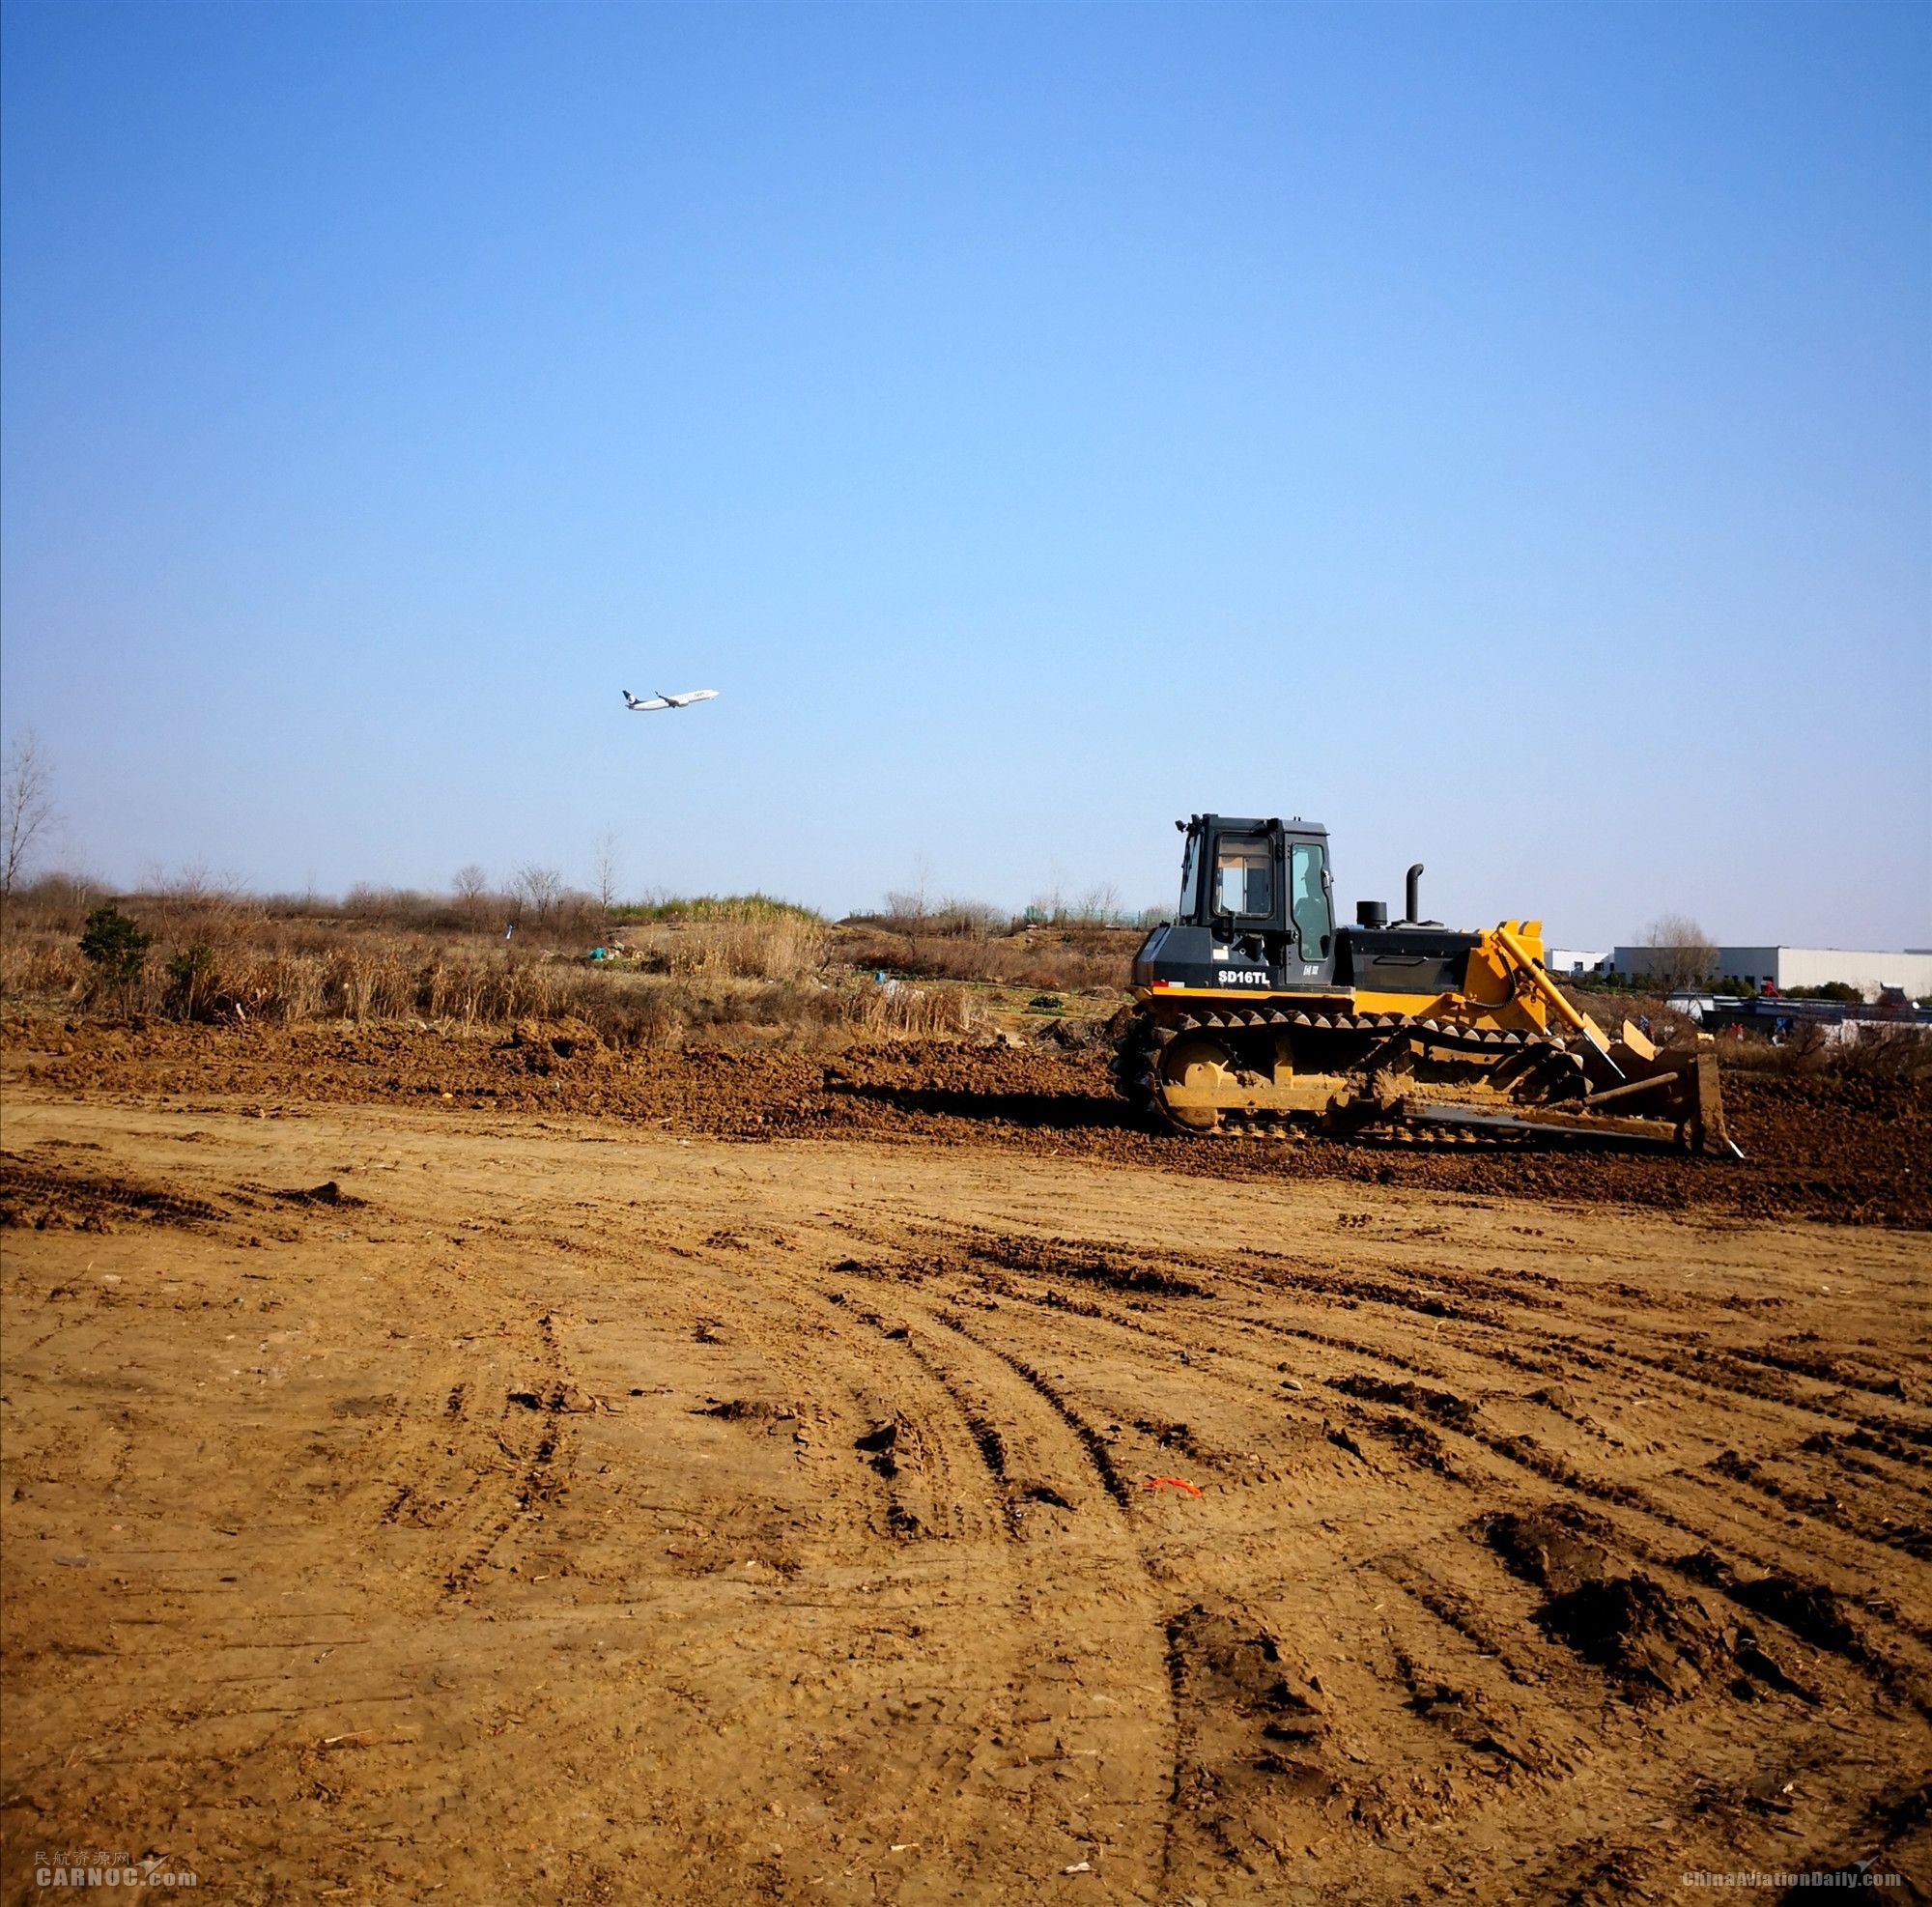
(1254, 1011)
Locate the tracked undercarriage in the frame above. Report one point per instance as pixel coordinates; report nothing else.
(1254, 1014)
(1246, 1069)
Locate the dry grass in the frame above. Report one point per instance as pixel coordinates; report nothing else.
(728, 980)
(1055, 962)
(732, 968)
(775, 946)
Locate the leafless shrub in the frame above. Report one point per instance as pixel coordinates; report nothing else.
(60, 900)
(1889, 1052)
(1876, 1053)
(195, 903)
(393, 906)
(604, 871)
(978, 919)
(1819, 1049)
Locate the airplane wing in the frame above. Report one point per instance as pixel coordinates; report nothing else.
(634, 703)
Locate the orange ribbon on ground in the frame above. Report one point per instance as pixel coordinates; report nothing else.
(1172, 1482)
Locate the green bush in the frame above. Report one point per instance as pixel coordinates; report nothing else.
(191, 979)
(115, 948)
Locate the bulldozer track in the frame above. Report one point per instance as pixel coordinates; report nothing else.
(1539, 1065)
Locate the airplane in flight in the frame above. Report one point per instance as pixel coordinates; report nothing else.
(639, 705)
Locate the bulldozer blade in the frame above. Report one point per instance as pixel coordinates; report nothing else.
(1578, 1128)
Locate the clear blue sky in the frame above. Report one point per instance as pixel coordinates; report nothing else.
(1501, 432)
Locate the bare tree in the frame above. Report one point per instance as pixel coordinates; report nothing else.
(910, 906)
(604, 869)
(1678, 951)
(979, 918)
(1049, 904)
(469, 884)
(540, 888)
(26, 804)
(1099, 904)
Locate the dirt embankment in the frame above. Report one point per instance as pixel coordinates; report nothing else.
(1848, 1150)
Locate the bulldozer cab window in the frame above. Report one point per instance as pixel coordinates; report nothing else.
(1243, 878)
(1308, 900)
(1190, 879)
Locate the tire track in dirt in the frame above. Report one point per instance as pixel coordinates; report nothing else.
(1145, 1633)
(541, 1449)
(1909, 1535)
(1255, 1758)
(1191, 1674)
(762, 1351)
(1214, 1658)
(1450, 1414)
(1565, 1350)
(916, 1434)
(1419, 1443)
(1088, 1634)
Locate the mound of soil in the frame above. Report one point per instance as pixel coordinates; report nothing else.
(1847, 1151)
(1621, 1619)
(1632, 1626)
(540, 1043)
(1444, 1405)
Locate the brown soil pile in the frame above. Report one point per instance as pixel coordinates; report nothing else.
(1848, 1150)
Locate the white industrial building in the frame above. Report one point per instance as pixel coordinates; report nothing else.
(1576, 962)
(1786, 968)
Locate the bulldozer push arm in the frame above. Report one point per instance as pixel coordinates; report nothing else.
(1684, 1083)
(1255, 1010)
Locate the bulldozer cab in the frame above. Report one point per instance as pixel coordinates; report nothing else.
(1242, 877)
(1257, 911)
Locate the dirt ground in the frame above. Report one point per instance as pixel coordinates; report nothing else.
(435, 1470)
